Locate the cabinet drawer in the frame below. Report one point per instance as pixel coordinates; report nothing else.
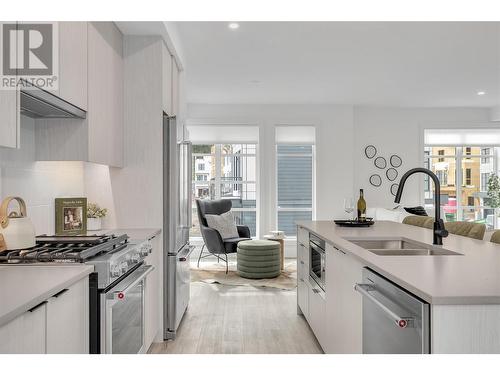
(303, 297)
(302, 236)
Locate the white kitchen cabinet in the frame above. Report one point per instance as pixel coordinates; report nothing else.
(26, 333)
(175, 88)
(68, 320)
(153, 294)
(58, 325)
(99, 137)
(105, 94)
(10, 117)
(302, 273)
(167, 80)
(344, 309)
(10, 114)
(73, 63)
(317, 314)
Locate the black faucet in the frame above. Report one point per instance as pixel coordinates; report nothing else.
(439, 230)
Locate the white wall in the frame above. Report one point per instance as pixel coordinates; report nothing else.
(38, 183)
(342, 133)
(334, 142)
(400, 131)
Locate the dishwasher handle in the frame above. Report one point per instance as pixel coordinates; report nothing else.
(401, 322)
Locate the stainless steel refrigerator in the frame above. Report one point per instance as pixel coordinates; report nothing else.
(176, 223)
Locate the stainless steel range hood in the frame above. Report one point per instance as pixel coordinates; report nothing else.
(38, 103)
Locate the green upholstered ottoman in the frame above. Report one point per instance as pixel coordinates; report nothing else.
(258, 259)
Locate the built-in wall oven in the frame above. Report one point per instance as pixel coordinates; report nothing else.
(317, 260)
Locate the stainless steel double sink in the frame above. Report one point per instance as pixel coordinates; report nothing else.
(399, 246)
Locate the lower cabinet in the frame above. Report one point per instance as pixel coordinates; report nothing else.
(26, 333)
(317, 315)
(55, 326)
(303, 297)
(153, 295)
(68, 320)
(344, 309)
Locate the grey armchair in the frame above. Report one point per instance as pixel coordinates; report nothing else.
(214, 243)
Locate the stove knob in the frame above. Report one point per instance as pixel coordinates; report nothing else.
(136, 258)
(123, 267)
(115, 271)
(144, 250)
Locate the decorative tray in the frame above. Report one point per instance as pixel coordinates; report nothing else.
(354, 223)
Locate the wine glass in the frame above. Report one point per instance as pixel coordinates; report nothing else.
(349, 206)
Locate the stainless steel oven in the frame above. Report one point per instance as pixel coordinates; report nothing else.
(317, 260)
(122, 314)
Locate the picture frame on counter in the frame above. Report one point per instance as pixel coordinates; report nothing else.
(71, 216)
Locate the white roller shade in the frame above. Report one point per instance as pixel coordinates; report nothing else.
(462, 137)
(211, 134)
(295, 134)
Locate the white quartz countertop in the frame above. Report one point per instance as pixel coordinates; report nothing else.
(472, 278)
(22, 287)
(135, 234)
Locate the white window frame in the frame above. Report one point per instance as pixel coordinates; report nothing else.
(460, 177)
(295, 209)
(218, 155)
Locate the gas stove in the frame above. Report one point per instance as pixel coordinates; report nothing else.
(112, 256)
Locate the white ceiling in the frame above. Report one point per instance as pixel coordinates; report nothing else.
(364, 63)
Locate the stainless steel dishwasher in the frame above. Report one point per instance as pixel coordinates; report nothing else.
(394, 321)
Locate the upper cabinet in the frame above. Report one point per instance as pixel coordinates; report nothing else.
(73, 63)
(167, 80)
(10, 119)
(91, 77)
(175, 88)
(105, 92)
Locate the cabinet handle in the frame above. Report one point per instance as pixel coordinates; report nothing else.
(316, 291)
(301, 245)
(301, 262)
(340, 250)
(58, 294)
(37, 306)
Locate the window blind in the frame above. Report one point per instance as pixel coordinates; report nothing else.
(295, 134)
(224, 134)
(462, 137)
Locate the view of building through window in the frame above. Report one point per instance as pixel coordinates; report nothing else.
(226, 171)
(464, 173)
(295, 185)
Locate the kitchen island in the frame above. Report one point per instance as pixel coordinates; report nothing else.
(462, 289)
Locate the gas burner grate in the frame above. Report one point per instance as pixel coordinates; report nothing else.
(65, 249)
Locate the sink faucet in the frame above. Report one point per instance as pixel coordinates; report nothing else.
(439, 231)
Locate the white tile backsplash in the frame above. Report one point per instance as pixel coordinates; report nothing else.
(38, 183)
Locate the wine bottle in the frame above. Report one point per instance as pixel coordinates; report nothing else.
(361, 207)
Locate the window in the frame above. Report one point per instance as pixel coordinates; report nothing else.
(295, 166)
(441, 152)
(201, 167)
(468, 176)
(229, 172)
(463, 173)
(470, 201)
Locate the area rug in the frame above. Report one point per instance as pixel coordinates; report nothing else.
(215, 273)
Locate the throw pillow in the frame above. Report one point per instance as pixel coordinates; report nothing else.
(224, 224)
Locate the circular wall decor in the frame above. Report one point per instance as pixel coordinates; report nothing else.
(396, 161)
(391, 174)
(375, 180)
(394, 189)
(370, 151)
(380, 162)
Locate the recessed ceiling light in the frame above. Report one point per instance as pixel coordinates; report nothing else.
(233, 25)
(481, 93)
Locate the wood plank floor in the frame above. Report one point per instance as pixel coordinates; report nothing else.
(225, 319)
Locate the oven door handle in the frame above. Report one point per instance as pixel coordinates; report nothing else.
(141, 275)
